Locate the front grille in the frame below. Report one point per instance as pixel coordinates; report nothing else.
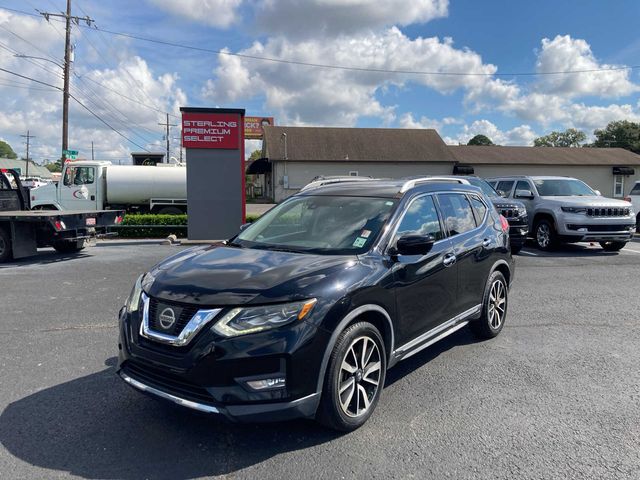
(167, 383)
(608, 212)
(183, 313)
(509, 211)
(601, 228)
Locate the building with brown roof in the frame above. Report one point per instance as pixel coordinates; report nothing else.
(293, 156)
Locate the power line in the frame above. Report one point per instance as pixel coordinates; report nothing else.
(79, 102)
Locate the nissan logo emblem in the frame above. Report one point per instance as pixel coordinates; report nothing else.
(167, 318)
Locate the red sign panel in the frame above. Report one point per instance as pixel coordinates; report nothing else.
(211, 130)
(253, 126)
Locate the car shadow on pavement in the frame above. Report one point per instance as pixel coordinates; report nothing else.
(98, 427)
(568, 250)
(408, 366)
(44, 258)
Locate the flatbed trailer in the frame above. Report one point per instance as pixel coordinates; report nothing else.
(23, 231)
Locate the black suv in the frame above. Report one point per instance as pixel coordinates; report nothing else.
(301, 314)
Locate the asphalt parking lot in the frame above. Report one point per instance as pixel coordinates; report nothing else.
(556, 395)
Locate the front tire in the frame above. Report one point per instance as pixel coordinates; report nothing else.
(545, 235)
(494, 308)
(612, 246)
(354, 379)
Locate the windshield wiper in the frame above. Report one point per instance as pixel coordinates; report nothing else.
(274, 248)
(231, 243)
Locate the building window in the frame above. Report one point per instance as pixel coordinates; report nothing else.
(353, 173)
(618, 186)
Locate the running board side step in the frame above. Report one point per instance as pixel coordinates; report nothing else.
(429, 338)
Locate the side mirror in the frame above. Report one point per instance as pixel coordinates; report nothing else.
(413, 244)
(597, 192)
(524, 194)
(244, 226)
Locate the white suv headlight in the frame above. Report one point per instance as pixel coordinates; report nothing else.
(241, 321)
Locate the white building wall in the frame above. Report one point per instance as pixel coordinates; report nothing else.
(301, 173)
(597, 177)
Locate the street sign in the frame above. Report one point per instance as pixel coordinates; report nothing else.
(70, 154)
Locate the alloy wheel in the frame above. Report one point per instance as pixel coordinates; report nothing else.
(497, 304)
(359, 377)
(543, 235)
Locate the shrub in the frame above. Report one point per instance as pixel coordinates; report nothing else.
(148, 231)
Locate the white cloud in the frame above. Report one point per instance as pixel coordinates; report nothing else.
(215, 13)
(307, 95)
(521, 135)
(566, 53)
(330, 18)
(407, 121)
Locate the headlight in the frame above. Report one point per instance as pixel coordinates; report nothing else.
(241, 321)
(574, 209)
(521, 211)
(133, 302)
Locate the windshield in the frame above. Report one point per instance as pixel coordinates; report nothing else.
(320, 224)
(562, 187)
(484, 186)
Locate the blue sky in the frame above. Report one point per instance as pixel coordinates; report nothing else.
(462, 36)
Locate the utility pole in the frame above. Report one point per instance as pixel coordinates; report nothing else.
(92, 157)
(167, 124)
(67, 67)
(28, 137)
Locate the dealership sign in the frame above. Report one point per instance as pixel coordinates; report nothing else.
(210, 130)
(253, 126)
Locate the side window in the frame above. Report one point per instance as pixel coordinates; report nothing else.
(505, 186)
(479, 208)
(421, 218)
(523, 185)
(79, 176)
(457, 213)
(636, 189)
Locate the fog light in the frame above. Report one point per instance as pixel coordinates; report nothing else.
(267, 383)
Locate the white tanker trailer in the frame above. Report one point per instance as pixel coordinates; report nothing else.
(95, 185)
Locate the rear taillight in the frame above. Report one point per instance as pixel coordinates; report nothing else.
(504, 224)
(118, 219)
(59, 225)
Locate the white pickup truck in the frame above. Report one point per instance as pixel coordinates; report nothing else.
(97, 185)
(634, 198)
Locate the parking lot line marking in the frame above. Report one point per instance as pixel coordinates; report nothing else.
(629, 250)
(529, 253)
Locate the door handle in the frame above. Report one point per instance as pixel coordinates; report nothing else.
(486, 242)
(449, 259)
(93, 197)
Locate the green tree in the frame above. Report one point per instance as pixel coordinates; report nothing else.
(621, 133)
(7, 151)
(569, 138)
(53, 167)
(256, 154)
(480, 140)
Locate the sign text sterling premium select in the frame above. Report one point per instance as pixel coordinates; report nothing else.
(199, 130)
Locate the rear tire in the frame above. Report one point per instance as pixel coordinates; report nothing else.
(5, 246)
(612, 246)
(65, 246)
(170, 211)
(354, 378)
(544, 234)
(494, 308)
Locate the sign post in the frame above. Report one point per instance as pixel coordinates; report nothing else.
(214, 143)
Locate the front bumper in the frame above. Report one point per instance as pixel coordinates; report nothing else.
(211, 373)
(601, 231)
(301, 408)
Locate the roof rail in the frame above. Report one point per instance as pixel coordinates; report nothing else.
(320, 182)
(417, 181)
